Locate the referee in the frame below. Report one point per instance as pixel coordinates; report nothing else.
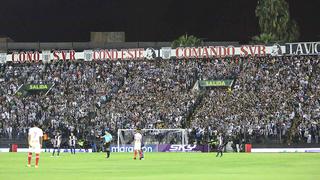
(107, 141)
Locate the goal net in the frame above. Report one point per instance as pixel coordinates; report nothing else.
(154, 136)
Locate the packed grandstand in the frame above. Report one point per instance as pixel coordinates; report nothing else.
(269, 97)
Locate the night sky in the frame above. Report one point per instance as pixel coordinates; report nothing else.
(142, 20)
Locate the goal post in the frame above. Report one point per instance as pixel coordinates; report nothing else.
(154, 136)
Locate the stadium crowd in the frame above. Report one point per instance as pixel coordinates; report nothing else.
(270, 95)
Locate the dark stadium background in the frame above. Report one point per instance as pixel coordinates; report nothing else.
(144, 20)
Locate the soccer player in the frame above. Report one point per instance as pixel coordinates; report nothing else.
(72, 143)
(221, 145)
(35, 143)
(137, 144)
(142, 153)
(107, 141)
(56, 143)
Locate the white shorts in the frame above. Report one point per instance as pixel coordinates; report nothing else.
(35, 149)
(137, 146)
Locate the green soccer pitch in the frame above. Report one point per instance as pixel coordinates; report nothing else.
(199, 166)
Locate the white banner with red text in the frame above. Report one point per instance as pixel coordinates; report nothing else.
(141, 53)
(206, 52)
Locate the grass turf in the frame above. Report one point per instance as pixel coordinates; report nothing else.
(184, 166)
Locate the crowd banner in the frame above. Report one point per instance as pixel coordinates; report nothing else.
(303, 48)
(203, 52)
(216, 83)
(165, 52)
(46, 56)
(87, 55)
(3, 58)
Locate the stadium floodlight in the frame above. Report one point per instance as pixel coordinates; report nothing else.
(154, 136)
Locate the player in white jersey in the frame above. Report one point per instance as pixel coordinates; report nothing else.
(137, 144)
(56, 143)
(72, 143)
(35, 143)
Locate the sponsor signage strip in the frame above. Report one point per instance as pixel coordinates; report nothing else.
(129, 148)
(162, 148)
(4, 150)
(179, 148)
(47, 150)
(182, 148)
(284, 150)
